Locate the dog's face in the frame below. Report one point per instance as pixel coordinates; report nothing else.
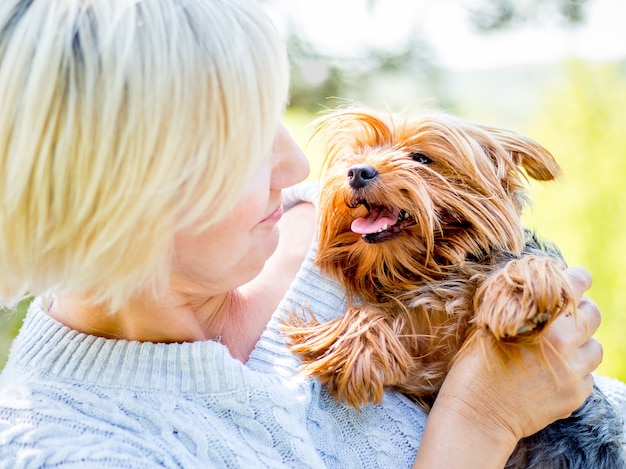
(404, 198)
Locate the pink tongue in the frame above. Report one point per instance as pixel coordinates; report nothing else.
(377, 218)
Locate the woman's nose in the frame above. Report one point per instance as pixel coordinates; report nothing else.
(289, 163)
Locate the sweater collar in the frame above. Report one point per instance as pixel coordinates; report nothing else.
(46, 346)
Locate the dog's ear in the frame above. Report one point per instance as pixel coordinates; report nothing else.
(527, 153)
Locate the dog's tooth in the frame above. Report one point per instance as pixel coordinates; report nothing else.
(385, 226)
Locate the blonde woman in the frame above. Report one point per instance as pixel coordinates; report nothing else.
(145, 178)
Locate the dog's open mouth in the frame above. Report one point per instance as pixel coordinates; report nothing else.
(382, 223)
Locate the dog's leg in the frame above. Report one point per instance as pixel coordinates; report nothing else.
(519, 300)
(355, 356)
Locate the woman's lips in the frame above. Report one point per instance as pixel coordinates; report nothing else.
(274, 216)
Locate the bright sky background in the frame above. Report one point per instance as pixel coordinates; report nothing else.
(341, 27)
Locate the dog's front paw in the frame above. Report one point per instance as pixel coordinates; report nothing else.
(518, 301)
(355, 356)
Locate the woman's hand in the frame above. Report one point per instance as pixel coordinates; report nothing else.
(485, 406)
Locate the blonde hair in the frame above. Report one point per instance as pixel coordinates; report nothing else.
(122, 121)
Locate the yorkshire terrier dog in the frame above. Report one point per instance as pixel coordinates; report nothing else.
(420, 221)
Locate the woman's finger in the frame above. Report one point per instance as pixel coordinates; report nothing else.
(578, 326)
(591, 354)
(590, 311)
(580, 280)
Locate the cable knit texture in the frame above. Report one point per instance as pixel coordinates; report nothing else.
(71, 400)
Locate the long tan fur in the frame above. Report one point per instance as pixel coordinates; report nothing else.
(456, 262)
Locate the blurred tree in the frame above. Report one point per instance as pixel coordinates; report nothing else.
(492, 15)
(317, 76)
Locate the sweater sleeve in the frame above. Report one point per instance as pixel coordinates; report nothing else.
(302, 192)
(385, 435)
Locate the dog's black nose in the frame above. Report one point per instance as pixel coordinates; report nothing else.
(360, 175)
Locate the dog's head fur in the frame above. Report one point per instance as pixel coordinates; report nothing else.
(407, 198)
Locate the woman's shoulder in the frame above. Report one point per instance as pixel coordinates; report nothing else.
(64, 394)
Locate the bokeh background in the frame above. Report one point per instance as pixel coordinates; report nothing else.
(552, 69)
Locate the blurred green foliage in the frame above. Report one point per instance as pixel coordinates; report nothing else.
(10, 322)
(583, 123)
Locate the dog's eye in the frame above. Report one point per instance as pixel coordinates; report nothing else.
(421, 158)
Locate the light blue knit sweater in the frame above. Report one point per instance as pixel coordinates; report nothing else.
(77, 401)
